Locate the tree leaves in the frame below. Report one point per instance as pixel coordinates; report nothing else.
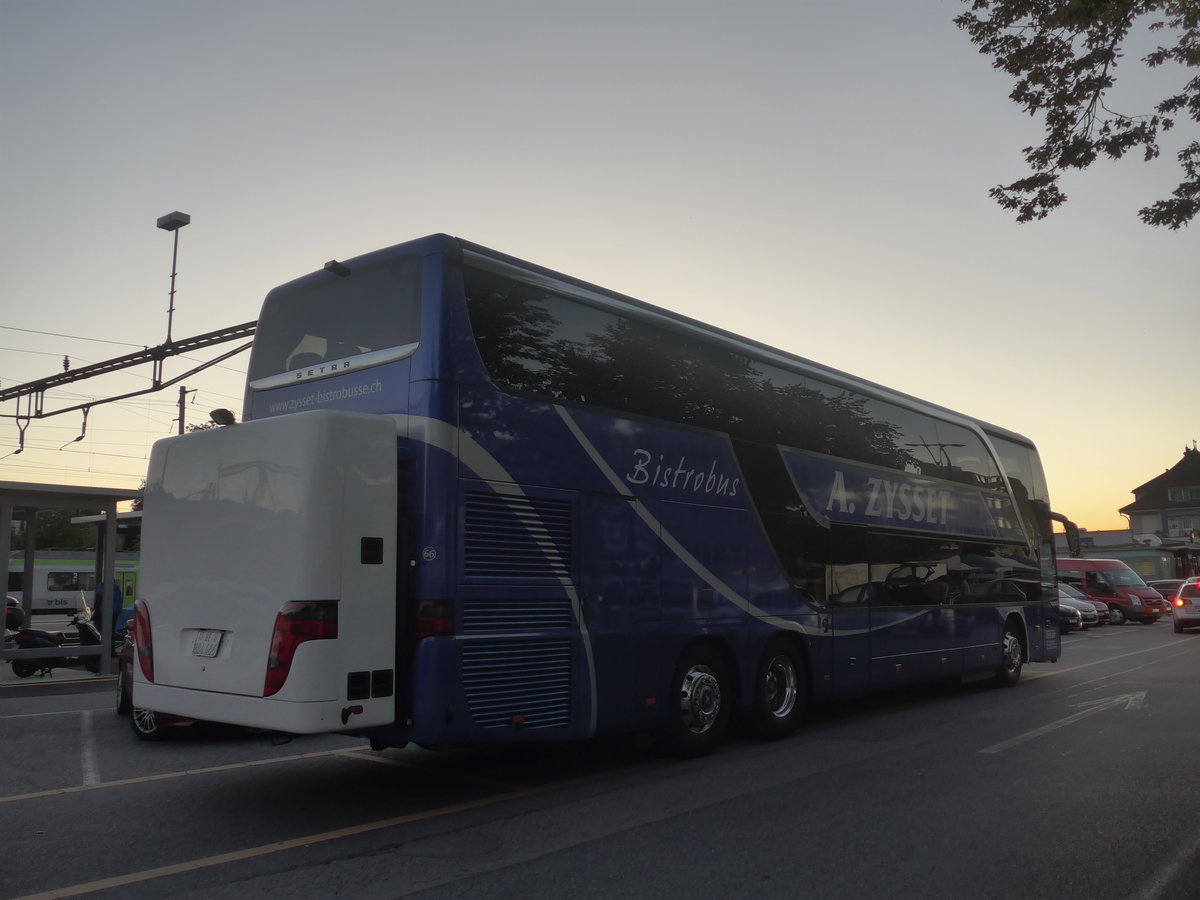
(1064, 55)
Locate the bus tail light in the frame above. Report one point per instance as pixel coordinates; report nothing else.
(435, 617)
(143, 642)
(298, 621)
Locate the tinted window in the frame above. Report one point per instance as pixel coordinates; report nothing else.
(537, 342)
(882, 569)
(327, 317)
(534, 341)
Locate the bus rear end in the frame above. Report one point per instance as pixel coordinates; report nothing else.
(268, 592)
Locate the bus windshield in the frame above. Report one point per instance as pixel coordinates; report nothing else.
(326, 318)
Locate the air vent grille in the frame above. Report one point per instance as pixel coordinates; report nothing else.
(505, 614)
(525, 684)
(517, 537)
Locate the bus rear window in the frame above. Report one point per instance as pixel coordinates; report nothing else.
(325, 318)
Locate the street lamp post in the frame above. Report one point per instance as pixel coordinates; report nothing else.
(173, 222)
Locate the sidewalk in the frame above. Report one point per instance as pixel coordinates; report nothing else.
(64, 680)
(58, 679)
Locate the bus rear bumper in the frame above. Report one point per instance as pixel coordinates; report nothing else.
(289, 716)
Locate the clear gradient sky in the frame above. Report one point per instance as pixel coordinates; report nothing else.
(812, 174)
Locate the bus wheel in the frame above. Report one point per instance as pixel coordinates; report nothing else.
(145, 724)
(700, 700)
(1012, 652)
(779, 691)
(122, 699)
(1116, 615)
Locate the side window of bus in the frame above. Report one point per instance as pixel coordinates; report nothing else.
(849, 586)
(912, 570)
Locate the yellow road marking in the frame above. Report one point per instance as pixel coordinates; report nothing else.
(308, 840)
(267, 849)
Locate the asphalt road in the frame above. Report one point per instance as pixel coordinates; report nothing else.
(1080, 782)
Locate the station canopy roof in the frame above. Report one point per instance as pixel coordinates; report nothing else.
(24, 497)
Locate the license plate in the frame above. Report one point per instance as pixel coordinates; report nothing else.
(206, 643)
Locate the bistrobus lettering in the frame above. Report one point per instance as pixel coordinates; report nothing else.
(681, 476)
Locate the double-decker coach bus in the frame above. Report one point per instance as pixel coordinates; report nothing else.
(473, 500)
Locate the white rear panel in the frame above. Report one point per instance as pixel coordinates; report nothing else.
(241, 520)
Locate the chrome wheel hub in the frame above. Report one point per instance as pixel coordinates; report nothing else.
(780, 687)
(1012, 652)
(699, 699)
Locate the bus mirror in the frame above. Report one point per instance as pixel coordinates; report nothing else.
(1072, 532)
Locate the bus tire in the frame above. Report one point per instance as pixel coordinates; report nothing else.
(1012, 656)
(122, 699)
(780, 690)
(700, 700)
(145, 724)
(1116, 615)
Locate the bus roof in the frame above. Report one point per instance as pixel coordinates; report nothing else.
(600, 296)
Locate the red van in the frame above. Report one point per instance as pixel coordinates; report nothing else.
(1113, 582)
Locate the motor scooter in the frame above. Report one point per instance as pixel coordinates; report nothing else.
(35, 639)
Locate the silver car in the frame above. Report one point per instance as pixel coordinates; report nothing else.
(1185, 606)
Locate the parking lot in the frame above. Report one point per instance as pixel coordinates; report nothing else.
(217, 812)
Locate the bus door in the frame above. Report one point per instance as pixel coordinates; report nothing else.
(914, 631)
(848, 624)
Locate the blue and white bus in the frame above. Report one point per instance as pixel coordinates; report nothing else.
(474, 500)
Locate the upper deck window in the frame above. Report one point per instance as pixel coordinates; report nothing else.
(328, 319)
(536, 342)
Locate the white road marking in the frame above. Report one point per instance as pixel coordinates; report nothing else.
(1168, 874)
(1129, 701)
(87, 748)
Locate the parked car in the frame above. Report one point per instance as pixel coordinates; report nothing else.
(1185, 607)
(1069, 618)
(1168, 587)
(1084, 608)
(147, 724)
(1103, 616)
(1110, 580)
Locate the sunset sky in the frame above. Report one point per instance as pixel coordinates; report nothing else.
(809, 174)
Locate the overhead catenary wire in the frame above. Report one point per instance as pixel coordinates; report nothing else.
(73, 337)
